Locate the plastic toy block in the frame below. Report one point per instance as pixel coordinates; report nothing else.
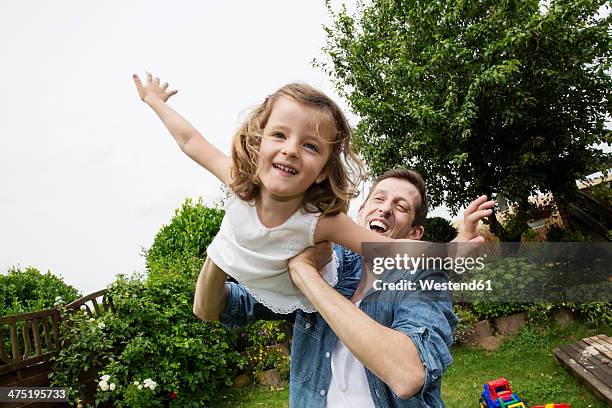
(553, 406)
(508, 402)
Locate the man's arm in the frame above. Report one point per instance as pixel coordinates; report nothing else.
(399, 365)
(191, 142)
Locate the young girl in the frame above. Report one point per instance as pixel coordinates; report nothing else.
(292, 174)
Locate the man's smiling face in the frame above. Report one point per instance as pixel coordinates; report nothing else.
(390, 209)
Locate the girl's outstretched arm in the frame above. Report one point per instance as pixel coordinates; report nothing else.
(342, 230)
(188, 138)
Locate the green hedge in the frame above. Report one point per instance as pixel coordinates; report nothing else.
(438, 229)
(29, 290)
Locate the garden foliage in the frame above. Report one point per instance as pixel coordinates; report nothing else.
(438, 229)
(153, 337)
(28, 290)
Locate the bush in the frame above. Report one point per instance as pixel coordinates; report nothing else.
(153, 334)
(438, 229)
(466, 323)
(595, 313)
(85, 347)
(29, 290)
(557, 233)
(527, 283)
(163, 341)
(264, 348)
(191, 230)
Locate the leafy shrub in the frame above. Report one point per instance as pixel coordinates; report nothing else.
(191, 230)
(466, 323)
(29, 290)
(438, 229)
(85, 347)
(596, 313)
(539, 313)
(163, 341)
(153, 333)
(557, 233)
(488, 310)
(263, 346)
(504, 275)
(531, 283)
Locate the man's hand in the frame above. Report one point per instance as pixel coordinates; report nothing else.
(316, 256)
(477, 210)
(152, 90)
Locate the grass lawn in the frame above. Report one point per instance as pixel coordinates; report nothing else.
(253, 397)
(526, 360)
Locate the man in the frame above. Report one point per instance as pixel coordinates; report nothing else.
(364, 348)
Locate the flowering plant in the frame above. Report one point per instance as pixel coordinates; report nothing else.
(265, 346)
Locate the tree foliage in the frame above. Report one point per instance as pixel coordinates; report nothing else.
(498, 97)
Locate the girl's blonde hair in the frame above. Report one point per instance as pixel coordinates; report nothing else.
(344, 169)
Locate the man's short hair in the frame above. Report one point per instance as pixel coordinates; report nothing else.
(414, 178)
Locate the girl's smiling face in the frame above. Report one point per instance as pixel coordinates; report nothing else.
(294, 150)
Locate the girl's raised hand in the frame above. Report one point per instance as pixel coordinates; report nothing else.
(152, 90)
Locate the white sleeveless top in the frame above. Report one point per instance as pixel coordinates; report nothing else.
(257, 256)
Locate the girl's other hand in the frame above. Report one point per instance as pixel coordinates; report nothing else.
(152, 90)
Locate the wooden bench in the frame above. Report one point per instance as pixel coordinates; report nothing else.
(34, 338)
(590, 360)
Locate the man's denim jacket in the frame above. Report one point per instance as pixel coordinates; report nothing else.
(427, 322)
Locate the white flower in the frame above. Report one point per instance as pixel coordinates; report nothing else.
(91, 319)
(103, 385)
(112, 386)
(105, 377)
(101, 325)
(140, 387)
(149, 383)
(58, 299)
(136, 383)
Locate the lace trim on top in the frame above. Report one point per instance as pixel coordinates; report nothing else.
(292, 308)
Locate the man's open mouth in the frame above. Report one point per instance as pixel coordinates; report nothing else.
(378, 226)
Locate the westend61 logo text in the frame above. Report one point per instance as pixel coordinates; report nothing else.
(405, 262)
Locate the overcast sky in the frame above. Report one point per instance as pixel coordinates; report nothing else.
(88, 172)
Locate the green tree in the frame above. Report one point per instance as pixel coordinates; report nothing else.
(497, 97)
